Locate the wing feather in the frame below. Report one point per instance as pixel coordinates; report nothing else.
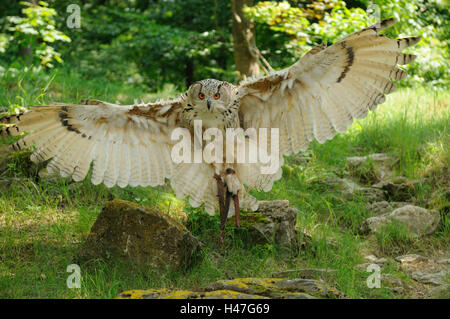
(113, 137)
(323, 92)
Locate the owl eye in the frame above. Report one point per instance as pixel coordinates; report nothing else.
(201, 96)
(217, 96)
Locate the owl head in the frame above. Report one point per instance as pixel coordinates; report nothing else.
(211, 95)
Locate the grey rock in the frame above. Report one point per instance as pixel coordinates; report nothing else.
(411, 259)
(375, 260)
(245, 288)
(311, 286)
(444, 261)
(391, 282)
(349, 189)
(396, 205)
(358, 160)
(440, 292)
(380, 208)
(370, 168)
(437, 278)
(273, 222)
(418, 220)
(384, 207)
(397, 188)
(306, 273)
(141, 236)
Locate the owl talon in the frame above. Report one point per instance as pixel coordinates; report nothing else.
(236, 209)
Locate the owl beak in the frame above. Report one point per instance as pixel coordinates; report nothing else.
(209, 105)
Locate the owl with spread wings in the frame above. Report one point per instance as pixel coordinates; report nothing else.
(313, 99)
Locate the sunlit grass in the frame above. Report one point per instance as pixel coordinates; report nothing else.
(43, 223)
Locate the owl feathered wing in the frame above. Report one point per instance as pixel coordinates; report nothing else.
(324, 91)
(131, 145)
(128, 145)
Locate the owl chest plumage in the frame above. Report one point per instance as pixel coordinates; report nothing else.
(222, 119)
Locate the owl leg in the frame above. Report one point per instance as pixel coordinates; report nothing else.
(224, 204)
(236, 209)
(233, 186)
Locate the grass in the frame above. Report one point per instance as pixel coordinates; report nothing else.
(44, 222)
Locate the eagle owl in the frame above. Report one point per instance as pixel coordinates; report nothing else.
(313, 99)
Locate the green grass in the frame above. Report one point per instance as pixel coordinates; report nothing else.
(44, 222)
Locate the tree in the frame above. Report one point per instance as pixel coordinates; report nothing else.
(245, 52)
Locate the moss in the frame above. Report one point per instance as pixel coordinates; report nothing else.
(249, 219)
(19, 162)
(184, 294)
(241, 288)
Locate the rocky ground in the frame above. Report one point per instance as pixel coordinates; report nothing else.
(122, 229)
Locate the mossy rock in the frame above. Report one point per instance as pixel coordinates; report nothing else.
(274, 222)
(398, 188)
(244, 288)
(141, 236)
(18, 163)
(185, 294)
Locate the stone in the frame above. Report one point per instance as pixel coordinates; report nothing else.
(358, 160)
(140, 235)
(418, 220)
(411, 259)
(397, 188)
(185, 294)
(436, 278)
(306, 273)
(440, 292)
(370, 168)
(245, 288)
(391, 282)
(311, 286)
(380, 208)
(384, 207)
(444, 261)
(350, 189)
(375, 260)
(273, 222)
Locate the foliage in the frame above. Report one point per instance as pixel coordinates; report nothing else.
(166, 42)
(153, 43)
(326, 21)
(36, 32)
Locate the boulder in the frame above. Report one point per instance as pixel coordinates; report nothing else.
(243, 288)
(397, 188)
(140, 235)
(418, 220)
(370, 168)
(306, 273)
(392, 282)
(436, 278)
(350, 189)
(359, 160)
(411, 260)
(384, 207)
(440, 292)
(375, 260)
(380, 208)
(273, 222)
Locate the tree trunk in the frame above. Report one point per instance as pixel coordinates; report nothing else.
(244, 40)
